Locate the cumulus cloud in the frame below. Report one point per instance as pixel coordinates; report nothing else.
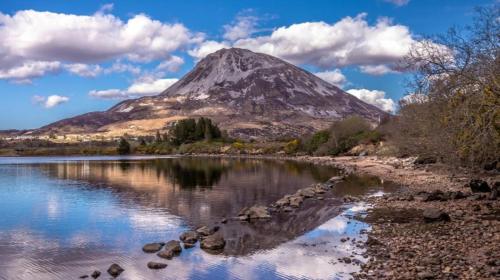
(29, 69)
(398, 2)
(350, 41)
(145, 86)
(242, 27)
(50, 101)
(376, 70)
(334, 77)
(207, 48)
(374, 97)
(171, 64)
(84, 70)
(30, 36)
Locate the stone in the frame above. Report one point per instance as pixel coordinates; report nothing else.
(152, 247)
(189, 237)
(172, 249)
(84, 276)
(336, 179)
(296, 201)
(456, 195)
(477, 185)
(254, 212)
(115, 270)
(223, 221)
(435, 215)
(425, 275)
(425, 160)
(213, 242)
(95, 274)
(282, 202)
(205, 231)
(156, 265)
(306, 193)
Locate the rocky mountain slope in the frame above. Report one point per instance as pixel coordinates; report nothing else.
(252, 95)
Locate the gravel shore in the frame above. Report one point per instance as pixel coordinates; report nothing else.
(464, 243)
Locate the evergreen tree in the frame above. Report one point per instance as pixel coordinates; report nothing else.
(123, 147)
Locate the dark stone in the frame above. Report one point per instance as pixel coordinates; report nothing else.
(156, 265)
(372, 241)
(115, 270)
(172, 249)
(84, 276)
(456, 195)
(189, 237)
(223, 221)
(95, 274)
(435, 215)
(477, 185)
(152, 247)
(425, 160)
(213, 242)
(189, 245)
(495, 165)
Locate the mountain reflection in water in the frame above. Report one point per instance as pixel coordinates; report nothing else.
(66, 216)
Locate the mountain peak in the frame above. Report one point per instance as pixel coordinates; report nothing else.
(252, 95)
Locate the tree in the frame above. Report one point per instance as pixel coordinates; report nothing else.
(123, 147)
(456, 115)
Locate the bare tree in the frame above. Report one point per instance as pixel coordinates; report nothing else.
(457, 80)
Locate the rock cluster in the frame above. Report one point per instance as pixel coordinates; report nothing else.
(295, 200)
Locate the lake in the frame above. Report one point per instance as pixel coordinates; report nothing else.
(64, 217)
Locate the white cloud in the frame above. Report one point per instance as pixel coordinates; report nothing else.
(398, 2)
(376, 70)
(207, 48)
(50, 101)
(244, 26)
(171, 64)
(334, 77)
(29, 69)
(30, 36)
(84, 70)
(145, 86)
(374, 97)
(350, 41)
(119, 67)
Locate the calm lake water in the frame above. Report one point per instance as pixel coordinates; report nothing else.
(61, 218)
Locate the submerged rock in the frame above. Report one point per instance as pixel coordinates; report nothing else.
(95, 274)
(152, 247)
(156, 265)
(213, 242)
(435, 215)
(172, 248)
(115, 270)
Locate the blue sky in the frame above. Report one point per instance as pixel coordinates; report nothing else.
(63, 58)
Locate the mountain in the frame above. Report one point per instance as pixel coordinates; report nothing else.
(252, 95)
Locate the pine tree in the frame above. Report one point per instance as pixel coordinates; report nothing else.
(123, 147)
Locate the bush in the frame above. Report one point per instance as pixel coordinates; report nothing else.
(292, 147)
